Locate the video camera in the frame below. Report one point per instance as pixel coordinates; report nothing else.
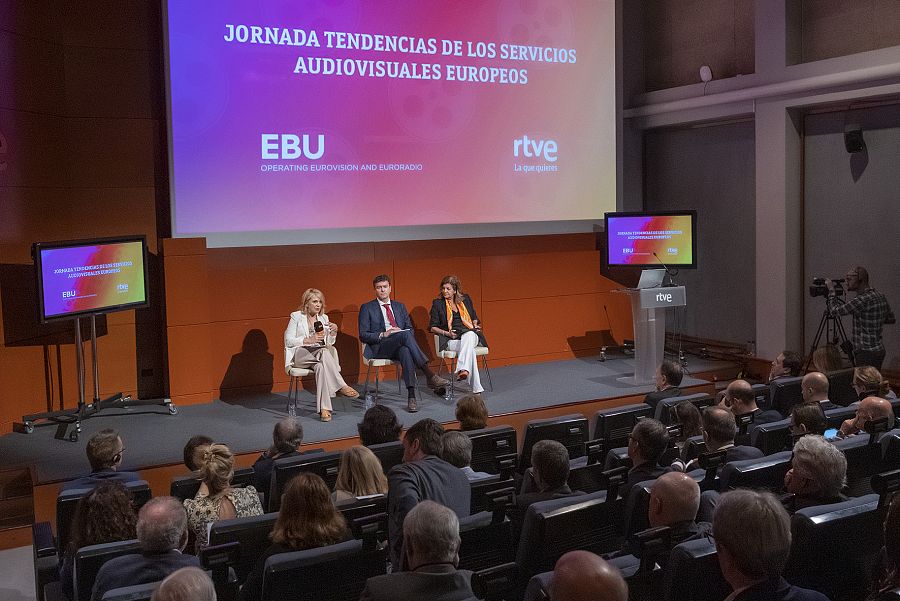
(818, 287)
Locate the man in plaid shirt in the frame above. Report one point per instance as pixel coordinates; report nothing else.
(870, 310)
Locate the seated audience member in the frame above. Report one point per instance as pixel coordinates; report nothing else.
(582, 576)
(827, 359)
(808, 418)
(870, 409)
(186, 584)
(788, 364)
(431, 543)
(818, 473)
(471, 412)
(379, 425)
(104, 452)
(867, 381)
(287, 436)
(646, 444)
(753, 538)
(162, 534)
(360, 475)
(888, 577)
(423, 475)
(191, 455)
(740, 399)
(719, 430)
(668, 379)
(217, 500)
(814, 388)
(458, 451)
(105, 515)
(307, 520)
(546, 480)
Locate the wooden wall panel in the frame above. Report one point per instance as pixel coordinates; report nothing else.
(190, 367)
(187, 300)
(543, 275)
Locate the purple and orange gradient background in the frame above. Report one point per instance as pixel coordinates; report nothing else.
(644, 249)
(225, 95)
(92, 293)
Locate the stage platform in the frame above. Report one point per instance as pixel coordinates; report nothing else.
(154, 438)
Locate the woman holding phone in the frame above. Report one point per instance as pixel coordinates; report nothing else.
(454, 320)
(308, 343)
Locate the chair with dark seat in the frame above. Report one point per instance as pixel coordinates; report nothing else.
(864, 459)
(693, 573)
(486, 540)
(490, 443)
(840, 387)
(538, 587)
(570, 430)
(335, 572)
(186, 487)
(388, 453)
(637, 505)
(484, 491)
(835, 417)
(252, 533)
(834, 546)
(89, 560)
(766, 472)
(614, 425)
(498, 583)
(761, 394)
(785, 393)
(137, 592)
(693, 447)
(324, 465)
(355, 509)
(772, 437)
(665, 410)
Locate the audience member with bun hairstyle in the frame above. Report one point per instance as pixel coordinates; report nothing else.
(307, 520)
(360, 475)
(216, 499)
(868, 381)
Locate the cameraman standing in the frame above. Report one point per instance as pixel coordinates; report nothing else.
(870, 310)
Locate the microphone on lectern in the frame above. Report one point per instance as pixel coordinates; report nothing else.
(669, 272)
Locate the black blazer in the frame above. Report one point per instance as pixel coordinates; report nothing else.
(439, 319)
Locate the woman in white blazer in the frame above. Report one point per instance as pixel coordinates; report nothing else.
(308, 348)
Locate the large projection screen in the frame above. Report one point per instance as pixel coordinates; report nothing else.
(314, 121)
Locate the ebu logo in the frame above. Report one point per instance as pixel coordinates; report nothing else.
(291, 146)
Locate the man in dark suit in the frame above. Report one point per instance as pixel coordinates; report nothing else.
(740, 399)
(287, 437)
(385, 326)
(431, 543)
(719, 430)
(668, 379)
(583, 576)
(104, 452)
(422, 475)
(646, 444)
(753, 538)
(544, 481)
(818, 473)
(162, 534)
(814, 388)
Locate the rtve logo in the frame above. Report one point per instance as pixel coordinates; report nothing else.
(291, 146)
(535, 148)
(664, 298)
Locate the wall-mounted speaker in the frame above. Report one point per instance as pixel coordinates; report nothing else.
(853, 140)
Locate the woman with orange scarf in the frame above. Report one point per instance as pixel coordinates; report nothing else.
(454, 320)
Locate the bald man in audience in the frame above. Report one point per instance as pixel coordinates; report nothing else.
(719, 430)
(870, 409)
(814, 388)
(583, 576)
(740, 399)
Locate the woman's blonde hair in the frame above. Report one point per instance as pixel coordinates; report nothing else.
(361, 473)
(216, 468)
(869, 379)
(308, 296)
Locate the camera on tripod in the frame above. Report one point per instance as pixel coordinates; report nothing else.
(818, 287)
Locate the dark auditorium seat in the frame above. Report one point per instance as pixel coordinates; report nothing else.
(89, 560)
(785, 393)
(486, 541)
(490, 443)
(834, 547)
(614, 425)
(185, 487)
(840, 387)
(766, 472)
(137, 592)
(388, 453)
(323, 464)
(637, 505)
(538, 587)
(570, 430)
(864, 459)
(67, 501)
(252, 533)
(772, 437)
(835, 417)
(483, 492)
(761, 394)
(693, 573)
(665, 410)
(334, 572)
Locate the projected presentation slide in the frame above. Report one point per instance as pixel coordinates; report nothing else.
(91, 278)
(337, 114)
(633, 240)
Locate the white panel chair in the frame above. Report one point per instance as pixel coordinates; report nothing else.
(378, 364)
(480, 351)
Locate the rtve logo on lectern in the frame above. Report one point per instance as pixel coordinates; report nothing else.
(291, 146)
(664, 297)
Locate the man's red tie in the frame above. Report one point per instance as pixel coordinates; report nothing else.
(390, 314)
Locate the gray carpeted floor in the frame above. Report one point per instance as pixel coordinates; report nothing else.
(153, 437)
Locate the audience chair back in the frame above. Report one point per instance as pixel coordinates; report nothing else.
(552, 528)
(486, 541)
(864, 459)
(328, 573)
(484, 491)
(137, 592)
(362, 508)
(89, 560)
(665, 410)
(186, 487)
(835, 417)
(251, 533)
(772, 437)
(499, 583)
(693, 447)
(587, 477)
(765, 473)
(388, 453)
(785, 393)
(693, 573)
(490, 443)
(614, 425)
(323, 464)
(67, 502)
(834, 546)
(538, 587)
(840, 387)
(761, 394)
(570, 430)
(637, 505)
